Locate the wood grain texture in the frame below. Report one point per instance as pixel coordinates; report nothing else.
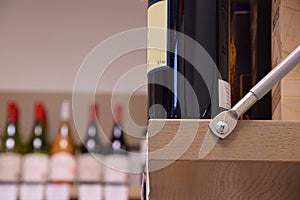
(293, 4)
(171, 140)
(290, 26)
(206, 180)
(259, 161)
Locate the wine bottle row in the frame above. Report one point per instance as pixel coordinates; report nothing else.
(40, 171)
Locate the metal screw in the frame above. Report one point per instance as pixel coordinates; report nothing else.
(222, 127)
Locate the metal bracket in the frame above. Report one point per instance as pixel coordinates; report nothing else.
(225, 122)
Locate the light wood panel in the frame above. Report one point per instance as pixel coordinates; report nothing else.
(226, 181)
(290, 25)
(251, 141)
(259, 161)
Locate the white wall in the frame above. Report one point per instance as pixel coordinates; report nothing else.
(44, 42)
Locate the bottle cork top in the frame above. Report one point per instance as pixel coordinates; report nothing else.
(93, 112)
(118, 114)
(12, 111)
(39, 111)
(65, 110)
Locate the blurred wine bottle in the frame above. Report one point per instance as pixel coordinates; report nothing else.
(35, 162)
(115, 173)
(62, 163)
(89, 161)
(10, 155)
(118, 143)
(38, 142)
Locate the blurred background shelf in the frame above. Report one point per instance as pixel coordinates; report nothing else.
(137, 109)
(260, 160)
(134, 192)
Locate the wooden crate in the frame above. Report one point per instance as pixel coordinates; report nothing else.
(260, 160)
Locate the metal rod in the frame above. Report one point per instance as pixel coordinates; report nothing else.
(274, 76)
(244, 104)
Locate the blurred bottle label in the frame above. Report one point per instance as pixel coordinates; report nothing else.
(9, 191)
(89, 168)
(90, 192)
(32, 192)
(116, 169)
(62, 167)
(58, 192)
(113, 192)
(10, 164)
(35, 168)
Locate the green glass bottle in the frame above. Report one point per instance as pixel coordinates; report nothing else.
(10, 155)
(36, 159)
(10, 138)
(38, 142)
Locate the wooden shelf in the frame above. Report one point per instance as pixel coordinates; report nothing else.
(134, 193)
(251, 140)
(259, 160)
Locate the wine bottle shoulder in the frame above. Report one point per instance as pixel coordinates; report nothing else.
(62, 143)
(92, 142)
(10, 139)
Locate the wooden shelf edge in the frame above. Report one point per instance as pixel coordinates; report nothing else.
(252, 140)
(134, 192)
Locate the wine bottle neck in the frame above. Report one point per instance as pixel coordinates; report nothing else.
(117, 133)
(64, 129)
(92, 130)
(11, 128)
(38, 128)
(39, 112)
(93, 113)
(65, 111)
(118, 115)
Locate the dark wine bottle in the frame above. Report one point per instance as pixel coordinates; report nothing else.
(183, 81)
(115, 176)
(92, 142)
(118, 143)
(89, 161)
